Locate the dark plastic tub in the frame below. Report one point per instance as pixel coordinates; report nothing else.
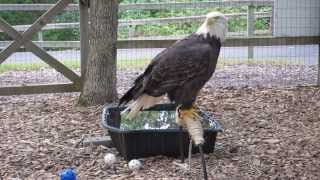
(137, 143)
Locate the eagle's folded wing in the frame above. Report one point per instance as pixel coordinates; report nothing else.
(176, 67)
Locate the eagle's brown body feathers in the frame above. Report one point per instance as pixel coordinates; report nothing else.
(179, 71)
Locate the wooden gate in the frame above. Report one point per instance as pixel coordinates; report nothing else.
(24, 39)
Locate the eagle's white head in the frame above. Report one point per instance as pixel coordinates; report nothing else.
(214, 25)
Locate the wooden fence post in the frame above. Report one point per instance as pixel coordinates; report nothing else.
(40, 36)
(272, 20)
(84, 32)
(250, 28)
(318, 83)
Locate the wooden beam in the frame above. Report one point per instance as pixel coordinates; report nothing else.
(74, 25)
(38, 89)
(99, 140)
(34, 7)
(36, 26)
(40, 36)
(50, 60)
(156, 42)
(250, 28)
(48, 44)
(272, 20)
(230, 42)
(84, 36)
(207, 4)
(318, 82)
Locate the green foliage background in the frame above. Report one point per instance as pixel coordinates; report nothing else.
(236, 24)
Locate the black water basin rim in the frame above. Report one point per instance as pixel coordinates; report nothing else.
(159, 107)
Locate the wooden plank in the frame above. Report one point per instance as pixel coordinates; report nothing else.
(76, 44)
(155, 42)
(84, 36)
(272, 20)
(36, 26)
(206, 4)
(50, 60)
(48, 44)
(22, 28)
(99, 140)
(40, 36)
(230, 42)
(318, 82)
(250, 28)
(38, 89)
(34, 7)
(146, 6)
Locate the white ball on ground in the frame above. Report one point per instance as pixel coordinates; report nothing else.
(110, 159)
(134, 165)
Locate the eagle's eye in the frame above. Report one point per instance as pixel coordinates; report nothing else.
(210, 20)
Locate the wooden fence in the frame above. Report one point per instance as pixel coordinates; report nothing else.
(155, 42)
(24, 39)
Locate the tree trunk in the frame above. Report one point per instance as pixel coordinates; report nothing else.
(100, 78)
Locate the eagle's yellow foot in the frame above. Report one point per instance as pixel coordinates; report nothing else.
(183, 114)
(191, 120)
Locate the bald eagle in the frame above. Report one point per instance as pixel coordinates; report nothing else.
(180, 71)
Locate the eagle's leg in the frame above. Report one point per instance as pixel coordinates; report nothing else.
(204, 167)
(189, 118)
(189, 154)
(181, 144)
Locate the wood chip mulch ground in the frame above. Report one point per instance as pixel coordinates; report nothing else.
(270, 133)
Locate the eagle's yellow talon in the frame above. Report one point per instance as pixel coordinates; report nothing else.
(192, 114)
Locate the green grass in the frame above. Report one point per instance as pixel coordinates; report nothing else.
(33, 66)
(19, 67)
(122, 64)
(141, 63)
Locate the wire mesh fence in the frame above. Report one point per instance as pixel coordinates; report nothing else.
(272, 65)
(285, 63)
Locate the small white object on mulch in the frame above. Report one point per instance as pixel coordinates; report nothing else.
(110, 159)
(135, 165)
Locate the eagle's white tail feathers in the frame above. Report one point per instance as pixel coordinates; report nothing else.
(143, 102)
